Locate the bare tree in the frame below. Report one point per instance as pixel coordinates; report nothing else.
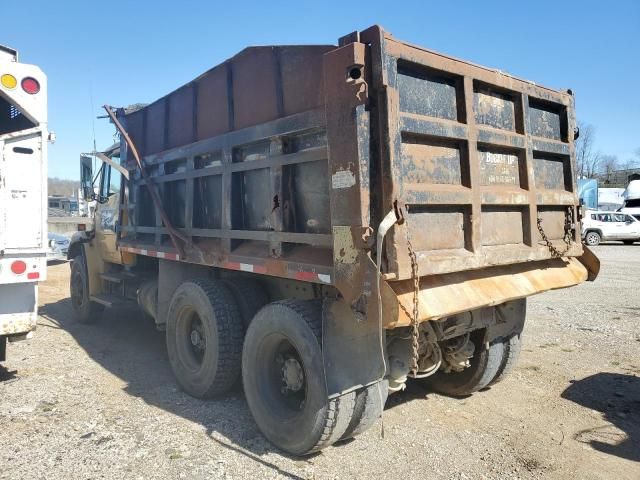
(630, 163)
(587, 158)
(608, 164)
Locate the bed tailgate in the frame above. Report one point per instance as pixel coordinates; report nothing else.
(479, 164)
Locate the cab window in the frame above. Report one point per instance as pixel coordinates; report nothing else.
(109, 182)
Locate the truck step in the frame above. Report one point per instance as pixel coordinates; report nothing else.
(117, 277)
(110, 300)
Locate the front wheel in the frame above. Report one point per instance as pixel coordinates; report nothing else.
(592, 239)
(86, 311)
(283, 378)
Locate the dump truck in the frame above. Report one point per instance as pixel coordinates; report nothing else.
(327, 223)
(23, 195)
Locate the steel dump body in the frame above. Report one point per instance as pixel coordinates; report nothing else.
(284, 160)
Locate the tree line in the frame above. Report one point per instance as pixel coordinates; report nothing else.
(591, 163)
(64, 187)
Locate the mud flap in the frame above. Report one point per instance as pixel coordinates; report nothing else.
(590, 262)
(351, 348)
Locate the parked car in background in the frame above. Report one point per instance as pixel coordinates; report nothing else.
(601, 226)
(58, 247)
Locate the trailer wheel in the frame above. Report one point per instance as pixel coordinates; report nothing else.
(250, 297)
(204, 338)
(86, 311)
(283, 378)
(592, 238)
(484, 365)
(512, 346)
(368, 408)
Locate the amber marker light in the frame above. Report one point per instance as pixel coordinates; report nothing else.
(8, 81)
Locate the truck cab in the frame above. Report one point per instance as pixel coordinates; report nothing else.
(95, 245)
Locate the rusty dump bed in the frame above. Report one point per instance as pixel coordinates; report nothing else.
(284, 161)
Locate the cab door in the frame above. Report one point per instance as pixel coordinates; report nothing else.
(107, 214)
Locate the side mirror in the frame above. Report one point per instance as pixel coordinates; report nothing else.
(86, 178)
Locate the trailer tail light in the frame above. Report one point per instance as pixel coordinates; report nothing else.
(18, 267)
(8, 81)
(33, 275)
(30, 85)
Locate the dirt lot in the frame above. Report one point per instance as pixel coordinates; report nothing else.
(99, 401)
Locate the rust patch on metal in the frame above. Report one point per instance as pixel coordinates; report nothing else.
(445, 295)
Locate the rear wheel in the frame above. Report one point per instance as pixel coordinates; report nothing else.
(86, 311)
(368, 408)
(592, 239)
(204, 338)
(512, 346)
(250, 297)
(482, 369)
(283, 377)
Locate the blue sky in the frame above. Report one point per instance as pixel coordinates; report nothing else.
(122, 52)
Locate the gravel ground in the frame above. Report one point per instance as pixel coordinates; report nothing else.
(99, 401)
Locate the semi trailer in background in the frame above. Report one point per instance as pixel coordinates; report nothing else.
(23, 194)
(327, 223)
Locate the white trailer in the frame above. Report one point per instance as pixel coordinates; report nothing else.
(23, 195)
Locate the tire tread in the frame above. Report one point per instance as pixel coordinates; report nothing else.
(512, 347)
(340, 409)
(230, 335)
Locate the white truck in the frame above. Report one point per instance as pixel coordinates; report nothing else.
(23, 195)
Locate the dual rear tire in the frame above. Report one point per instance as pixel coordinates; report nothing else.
(204, 338)
(487, 367)
(283, 378)
(279, 359)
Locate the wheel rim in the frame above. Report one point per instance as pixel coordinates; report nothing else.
(282, 376)
(592, 238)
(191, 339)
(77, 290)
